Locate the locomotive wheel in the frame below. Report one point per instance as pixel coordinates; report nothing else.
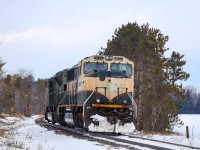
(61, 119)
(46, 118)
(75, 118)
(54, 117)
(80, 119)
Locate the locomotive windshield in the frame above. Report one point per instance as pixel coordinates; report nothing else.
(126, 68)
(95, 69)
(95, 66)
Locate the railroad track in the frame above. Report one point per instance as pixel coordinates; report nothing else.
(123, 140)
(186, 146)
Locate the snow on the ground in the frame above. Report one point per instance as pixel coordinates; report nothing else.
(105, 126)
(179, 136)
(9, 120)
(193, 122)
(26, 134)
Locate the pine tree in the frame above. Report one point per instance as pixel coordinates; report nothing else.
(174, 72)
(187, 106)
(146, 47)
(198, 106)
(2, 63)
(6, 95)
(174, 68)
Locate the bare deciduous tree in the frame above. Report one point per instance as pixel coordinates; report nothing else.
(24, 83)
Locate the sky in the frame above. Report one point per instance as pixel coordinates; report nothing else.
(47, 36)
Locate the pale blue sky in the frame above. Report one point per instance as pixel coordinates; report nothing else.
(48, 35)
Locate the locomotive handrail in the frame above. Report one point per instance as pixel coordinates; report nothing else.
(121, 88)
(52, 93)
(105, 88)
(62, 99)
(88, 98)
(85, 103)
(135, 105)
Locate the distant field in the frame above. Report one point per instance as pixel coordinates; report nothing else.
(193, 122)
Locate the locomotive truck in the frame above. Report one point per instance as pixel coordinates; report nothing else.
(96, 94)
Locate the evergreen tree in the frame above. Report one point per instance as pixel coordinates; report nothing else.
(197, 108)
(146, 47)
(9, 95)
(174, 72)
(187, 106)
(191, 103)
(174, 68)
(6, 95)
(2, 63)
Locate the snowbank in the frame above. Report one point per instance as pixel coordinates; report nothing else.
(105, 126)
(179, 136)
(26, 134)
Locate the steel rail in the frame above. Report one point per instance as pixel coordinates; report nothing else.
(192, 147)
(115, 139)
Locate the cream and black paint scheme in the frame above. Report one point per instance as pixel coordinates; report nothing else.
(74, 95)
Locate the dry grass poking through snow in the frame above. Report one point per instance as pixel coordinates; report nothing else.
(7, 133)
(2, 124)
(2, 132)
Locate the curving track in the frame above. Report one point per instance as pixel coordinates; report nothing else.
(123, 140)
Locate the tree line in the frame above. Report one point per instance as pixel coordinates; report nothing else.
(191, 104)
(20, 93)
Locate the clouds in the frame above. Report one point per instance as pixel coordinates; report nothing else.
(85, 31)
(39, 47)
(31, 33)
(37, 34)
(45, 33)
(47, 36)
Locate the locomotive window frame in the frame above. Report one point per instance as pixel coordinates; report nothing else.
(118, 65)
(86, 72)
(73, 74)
(79, 70)
(65, 87)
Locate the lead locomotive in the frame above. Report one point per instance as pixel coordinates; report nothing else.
(96, 94)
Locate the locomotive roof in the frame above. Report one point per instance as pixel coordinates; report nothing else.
(106, 58)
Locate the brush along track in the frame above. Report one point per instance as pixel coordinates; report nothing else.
(108, 139)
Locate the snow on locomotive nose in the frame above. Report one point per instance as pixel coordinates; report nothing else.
(103, 125)
(96, 94)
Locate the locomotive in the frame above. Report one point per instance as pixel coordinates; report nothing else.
(96, 94)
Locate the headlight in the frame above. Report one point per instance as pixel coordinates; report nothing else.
(125, 101)
(98, 100)
(109, 58)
